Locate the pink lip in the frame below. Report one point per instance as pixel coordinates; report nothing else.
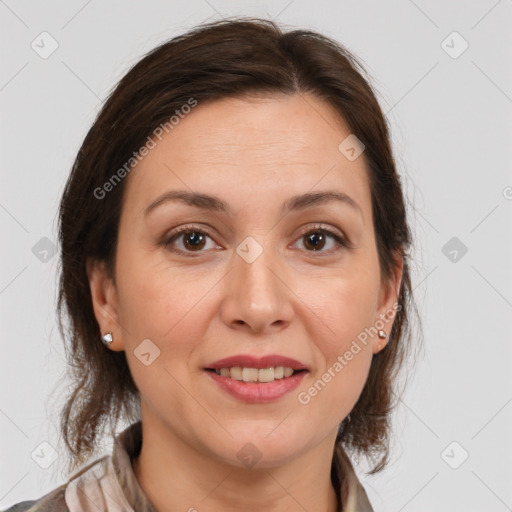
(248, 361)
(257, 392)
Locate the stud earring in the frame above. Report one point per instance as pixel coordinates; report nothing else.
(382, 334)
(107, 339)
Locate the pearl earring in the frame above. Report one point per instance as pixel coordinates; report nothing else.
(107, 339)
(382, 334)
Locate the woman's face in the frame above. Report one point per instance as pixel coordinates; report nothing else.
(245, 278)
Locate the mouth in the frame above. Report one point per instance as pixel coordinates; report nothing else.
(256, 375)
(252, 379)
(256, 385)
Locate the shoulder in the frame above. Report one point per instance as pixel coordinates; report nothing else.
(57, 499)
(21, 507)
(60, 499)
(54, 501)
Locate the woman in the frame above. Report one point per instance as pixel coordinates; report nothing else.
(234, 231)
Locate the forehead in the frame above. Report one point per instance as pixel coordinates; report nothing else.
(253, 148)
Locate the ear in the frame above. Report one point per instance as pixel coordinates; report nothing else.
(388, 302)
(104, 300)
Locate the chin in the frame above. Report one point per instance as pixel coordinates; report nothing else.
(260, 452)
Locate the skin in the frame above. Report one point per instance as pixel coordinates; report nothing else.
(309, 305)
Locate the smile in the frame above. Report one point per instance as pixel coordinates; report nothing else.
(250, 386)
(256, 374)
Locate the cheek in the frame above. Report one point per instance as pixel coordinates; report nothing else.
(155, 299)
(344, 357)
(171, 309)
(346, 305)
(167, 308)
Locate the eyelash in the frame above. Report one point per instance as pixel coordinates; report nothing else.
(341, 241)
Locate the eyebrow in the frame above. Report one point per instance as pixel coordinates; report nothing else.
(215, 204)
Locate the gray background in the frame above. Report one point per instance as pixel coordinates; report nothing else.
(451, 122)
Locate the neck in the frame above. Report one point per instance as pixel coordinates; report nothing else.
(180, 477)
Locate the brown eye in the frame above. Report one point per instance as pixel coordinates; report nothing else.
(323, 240)
(193, 240)
(188, 240)
(315, 240)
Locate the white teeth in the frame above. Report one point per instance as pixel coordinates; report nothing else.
(287, 371)
(265, 374)
(255, 374)
(235, 373)
(250, 375)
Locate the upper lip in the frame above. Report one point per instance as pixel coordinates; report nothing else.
(248, 361)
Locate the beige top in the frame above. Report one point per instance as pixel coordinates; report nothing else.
(109, 484)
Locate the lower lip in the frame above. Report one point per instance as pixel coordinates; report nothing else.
(258, 392)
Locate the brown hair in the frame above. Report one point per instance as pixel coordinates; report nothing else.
(228, 58)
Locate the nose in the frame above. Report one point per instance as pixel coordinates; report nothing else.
(257, 298)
